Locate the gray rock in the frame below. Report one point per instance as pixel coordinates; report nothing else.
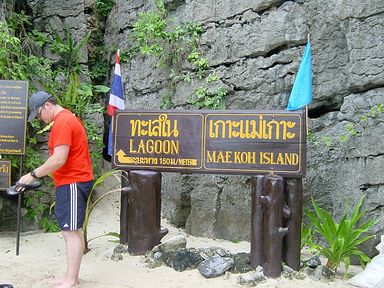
(320, 273)
(299, 275)
(314, 274)
(241, 263)
(158, 255)
(121, 248)
(286, 268)
(118, 252)
(314, 262)
(214, 251)
(328, 274)
(215, 266)
(182, 259)
(116, 257)
(252, 278)
(171, 244)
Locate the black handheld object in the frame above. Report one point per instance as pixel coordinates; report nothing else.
(14, 190)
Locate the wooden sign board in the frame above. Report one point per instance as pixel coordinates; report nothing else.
(225, 142)
(13, 116)
(5, 175)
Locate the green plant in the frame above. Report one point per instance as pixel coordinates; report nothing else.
(18, 48)
(351, 129)
(306, 236)
(173, 45)
(311, 137)
(96, 146)
(19, 45)
(376, 111)
(341, 238)
(104, 7)
(36, 203)
(49, 225)
(91, 204)
(70, 53)
(207, 97)
(327, 141)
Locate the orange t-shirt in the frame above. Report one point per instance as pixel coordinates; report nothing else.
(67, 129)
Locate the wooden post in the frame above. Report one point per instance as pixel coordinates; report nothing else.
(144, 202)
(257, 221)
(292, 241)
(126, 189)
(273, 232)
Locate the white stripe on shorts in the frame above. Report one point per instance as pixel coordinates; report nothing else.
(73, 204)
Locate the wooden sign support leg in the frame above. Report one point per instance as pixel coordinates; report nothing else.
(273, 232)
(257, 221)
(144, 202)
(126, 189)
(19, 205)
(292, 241)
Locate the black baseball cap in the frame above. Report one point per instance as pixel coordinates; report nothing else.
(35, 102)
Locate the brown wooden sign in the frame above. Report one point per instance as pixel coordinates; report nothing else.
(5, 174)
(13, 116)
(225, 142)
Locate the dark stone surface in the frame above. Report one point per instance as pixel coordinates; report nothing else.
(182, 259)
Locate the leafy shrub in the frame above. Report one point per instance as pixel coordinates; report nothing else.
(341, 238)
(306, 236)
(20, 48)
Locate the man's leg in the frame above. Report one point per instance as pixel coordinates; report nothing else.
(70, 212)
(74, 244)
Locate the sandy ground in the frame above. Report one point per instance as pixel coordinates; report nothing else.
(42, 257)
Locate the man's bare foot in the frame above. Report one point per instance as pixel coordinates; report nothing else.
(67, 285)
(57, 281)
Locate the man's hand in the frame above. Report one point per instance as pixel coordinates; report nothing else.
(24, 180)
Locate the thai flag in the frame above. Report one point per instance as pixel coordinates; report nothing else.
(116, 99)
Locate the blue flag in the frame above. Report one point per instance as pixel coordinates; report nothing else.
(301, 93)
(116, 99)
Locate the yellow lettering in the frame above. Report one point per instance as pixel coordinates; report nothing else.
(161, 127)
(279, 158)
(265, 158)
(245, 157)
(219, 156)
(150, 146)
(211, 156)
(178, 162)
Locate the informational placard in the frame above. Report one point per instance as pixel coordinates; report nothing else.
(5, 175)
(225, 142)
(13, 116)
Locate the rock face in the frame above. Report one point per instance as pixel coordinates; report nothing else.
(255, 48)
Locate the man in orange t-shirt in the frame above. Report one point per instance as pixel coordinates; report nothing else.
(71, 167)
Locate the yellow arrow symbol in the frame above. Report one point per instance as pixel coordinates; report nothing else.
(122, 157)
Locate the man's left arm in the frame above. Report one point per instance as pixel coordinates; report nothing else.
(54, 162)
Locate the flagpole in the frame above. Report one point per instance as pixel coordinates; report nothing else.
(113, 116)
(306, 114)
(306, 106)
(116, 99)
(112, 120)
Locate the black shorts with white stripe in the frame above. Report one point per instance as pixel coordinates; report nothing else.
(71, 201)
